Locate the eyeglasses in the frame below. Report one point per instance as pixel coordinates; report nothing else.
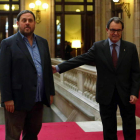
(113, 30)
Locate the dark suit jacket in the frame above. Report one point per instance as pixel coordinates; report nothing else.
(18, 74)
(126, 77)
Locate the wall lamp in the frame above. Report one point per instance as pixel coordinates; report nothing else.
(125, 6)
(38, 11)
(6, 7)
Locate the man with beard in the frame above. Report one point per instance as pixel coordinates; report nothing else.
(26, 79)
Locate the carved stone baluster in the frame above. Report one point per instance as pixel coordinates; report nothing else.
(91, 88)
(75, 81)
(85, 85)
(68, 78)
(94, 90)
(72, 79)
(80, 81)
(65, 79)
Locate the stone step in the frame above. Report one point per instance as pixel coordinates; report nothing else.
(58, 113)
(91, 126)
(2, 120)
(95, 126)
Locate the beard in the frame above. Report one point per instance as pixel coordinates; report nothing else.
(27, 31)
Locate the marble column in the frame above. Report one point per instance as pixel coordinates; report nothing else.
(102, 15)
(52, 29)
(107, 10)
(137, 24)
(22, 5)
(97, 20)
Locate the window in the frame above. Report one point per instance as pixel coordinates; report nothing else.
(8, 12)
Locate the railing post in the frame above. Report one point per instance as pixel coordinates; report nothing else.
(80, 81)
(62, 78)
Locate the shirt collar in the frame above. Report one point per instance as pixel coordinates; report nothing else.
(117, 43)
(34, 36)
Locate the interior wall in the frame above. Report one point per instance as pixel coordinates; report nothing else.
(72, 28)
(97, 20)
(128, 22)
(102, 15)
(136, 23)
(42, 29)
(103, 25)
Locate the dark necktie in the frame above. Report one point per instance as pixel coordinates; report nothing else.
(114, 55)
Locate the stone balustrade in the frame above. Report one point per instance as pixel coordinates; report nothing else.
(79, 87)
(81, 80)
(81, 84)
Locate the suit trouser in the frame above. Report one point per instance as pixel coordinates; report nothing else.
(109, 119)
(27, 122)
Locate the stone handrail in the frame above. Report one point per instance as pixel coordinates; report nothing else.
(82, 80)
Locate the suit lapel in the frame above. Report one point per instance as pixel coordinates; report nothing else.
(24, 49)
(123, 51)
(106, 51)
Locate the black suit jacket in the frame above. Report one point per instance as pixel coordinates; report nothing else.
(126, 77)
(18, 74)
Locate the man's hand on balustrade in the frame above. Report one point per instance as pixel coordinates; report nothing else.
(54, 69)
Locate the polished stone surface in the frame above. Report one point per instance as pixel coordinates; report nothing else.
(95, 126)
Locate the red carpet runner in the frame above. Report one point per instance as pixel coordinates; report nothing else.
(67, 131)
(138, 107)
